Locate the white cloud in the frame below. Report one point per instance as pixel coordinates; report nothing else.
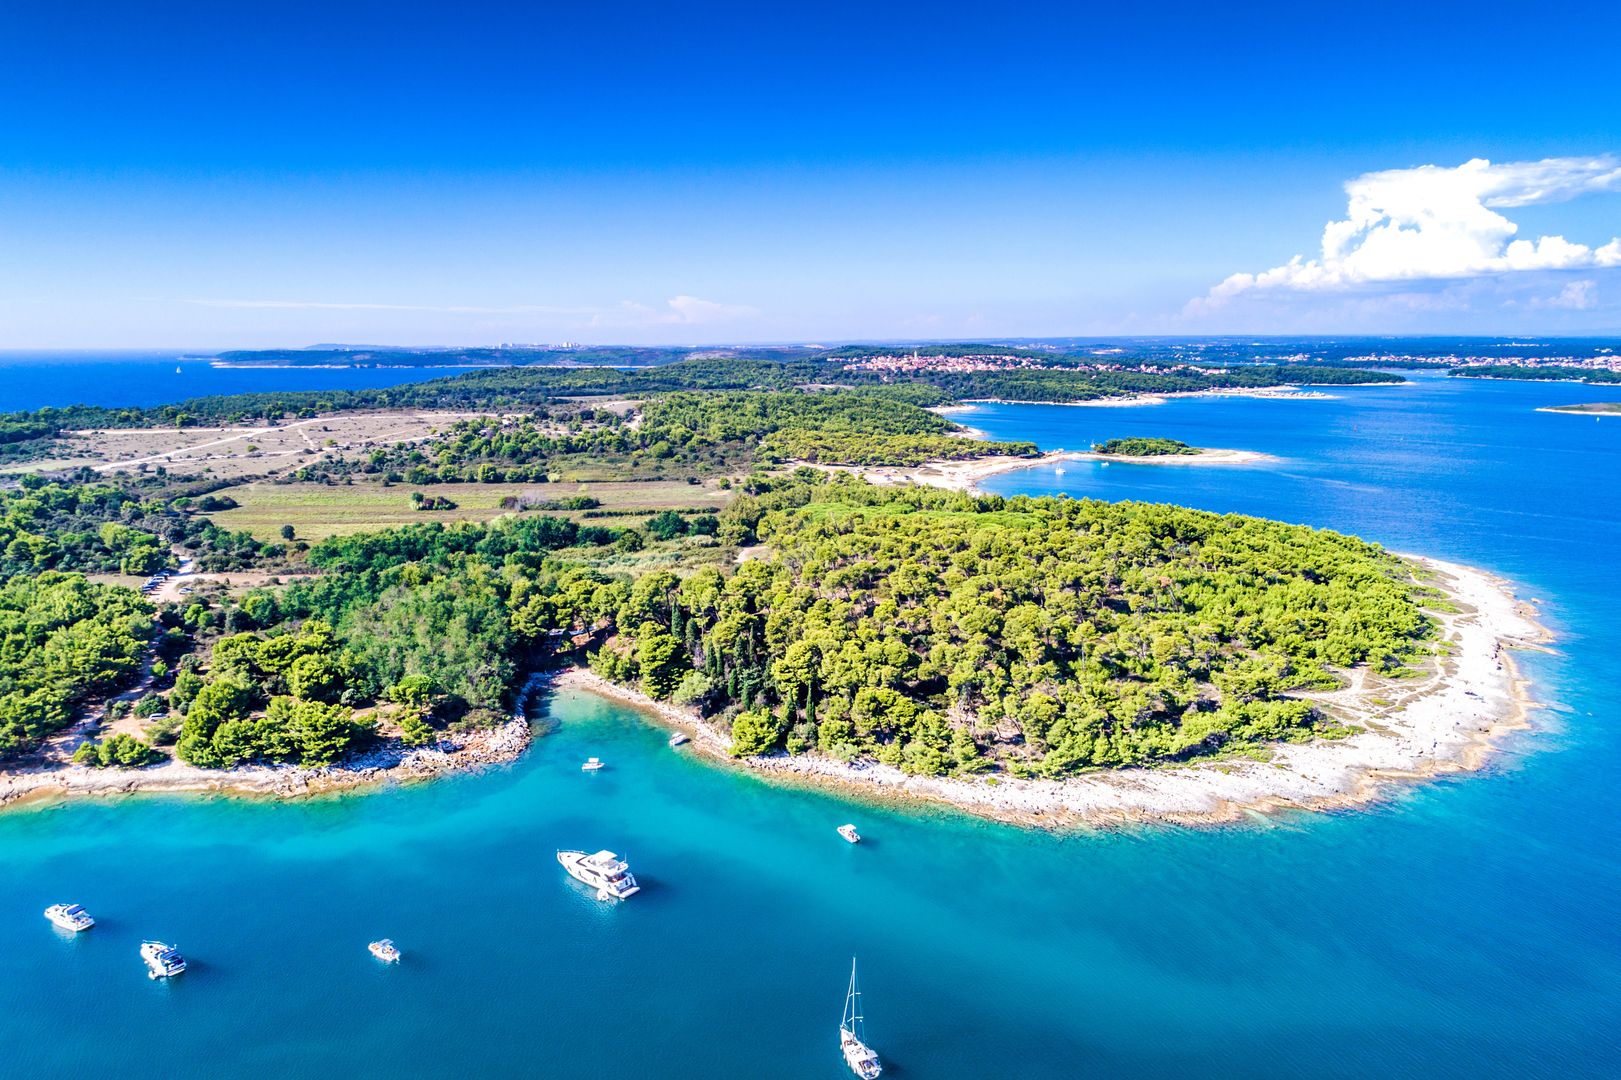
(320, 305)
(677, 311)
(680, 310)
(1576, 296)
(690, 309)
(1435, 223)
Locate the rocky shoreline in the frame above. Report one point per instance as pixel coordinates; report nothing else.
(388, 762)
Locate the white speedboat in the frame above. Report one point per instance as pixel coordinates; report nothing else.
(70, 917)
(162, 961)
(850, 834)
(591, 765)
(678, 739)
(385, 951)
(861, 1058)
(604, 872)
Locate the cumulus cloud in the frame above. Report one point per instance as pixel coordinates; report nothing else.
(1436, 223)
(1576, 296)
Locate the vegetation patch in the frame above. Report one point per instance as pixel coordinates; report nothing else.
(1144, 447)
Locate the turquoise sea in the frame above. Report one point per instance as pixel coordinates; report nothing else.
(1465, 927)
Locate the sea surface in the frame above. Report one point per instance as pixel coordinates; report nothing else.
(1466, 927)
(33, 380)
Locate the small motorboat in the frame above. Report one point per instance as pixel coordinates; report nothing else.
(679, 739)
(591, 765)
(162, 961)
(70, 917)
(385, 951)
(850, 834)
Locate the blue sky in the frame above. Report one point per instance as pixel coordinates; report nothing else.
(191, 175)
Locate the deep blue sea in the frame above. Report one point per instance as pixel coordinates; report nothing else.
(32, 380)
(1467, 927)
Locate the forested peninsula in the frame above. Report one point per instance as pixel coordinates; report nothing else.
(688, 556)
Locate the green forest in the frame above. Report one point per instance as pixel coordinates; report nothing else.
(1540, 373)
(940, 632)
(686, 433)
(26, 435)
(1143, 447)
(944, 632)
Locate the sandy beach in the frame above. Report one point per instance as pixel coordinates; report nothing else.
(1129, 401)
(966, 475)
(1445, 722)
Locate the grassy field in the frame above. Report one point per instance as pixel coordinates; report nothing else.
(316, 511)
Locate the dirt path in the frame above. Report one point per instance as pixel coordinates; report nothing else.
(250, 433)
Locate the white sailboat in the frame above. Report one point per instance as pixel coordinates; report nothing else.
(852, 1034)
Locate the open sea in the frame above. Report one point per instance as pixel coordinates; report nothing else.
(1466, 927)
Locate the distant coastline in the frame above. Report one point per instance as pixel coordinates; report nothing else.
(1590, 408)
(967, 474)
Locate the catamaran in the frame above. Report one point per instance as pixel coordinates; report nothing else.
(852, 1031)
(163, 961)
(70, 917)
(604, 872)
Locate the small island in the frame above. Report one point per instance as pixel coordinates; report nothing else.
(1587, 408)
(1144, 447)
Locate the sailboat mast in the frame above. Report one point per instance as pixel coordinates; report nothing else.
(852, 1004)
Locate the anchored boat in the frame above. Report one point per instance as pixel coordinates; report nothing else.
(852, 1034)
(850, 834)
(385, 951)
(678, 738)
(591, 765)
(604, 872)
(162, 961)
(70, 917)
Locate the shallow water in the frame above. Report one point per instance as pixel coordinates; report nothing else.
(1465, 927)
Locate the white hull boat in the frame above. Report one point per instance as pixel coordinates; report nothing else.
(162, 961)
(70, 917)
(861, 1058)
(385, 951)
(605, 872)
(850, 834)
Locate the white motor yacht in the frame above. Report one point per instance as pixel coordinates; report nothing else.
(850, 834)
(385, 951)
(591, 765)
(678, 738)
(604, 872)
(162, 961)
(70, 917)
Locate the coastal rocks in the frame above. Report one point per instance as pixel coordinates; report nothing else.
(386, 762)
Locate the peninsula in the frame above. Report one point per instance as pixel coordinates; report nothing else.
(372, 609)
